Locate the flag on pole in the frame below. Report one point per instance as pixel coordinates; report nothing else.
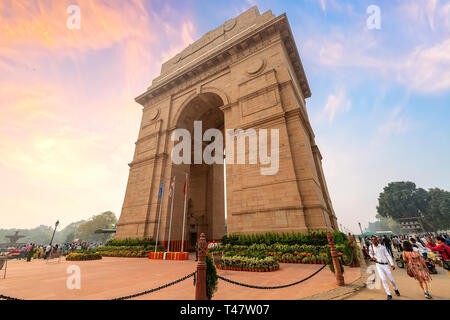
(184, 214)
(160, 194)
(172, 187)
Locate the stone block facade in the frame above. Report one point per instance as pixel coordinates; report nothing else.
(246, 74)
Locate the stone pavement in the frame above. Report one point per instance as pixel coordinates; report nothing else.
(409, 288)
(115, 277)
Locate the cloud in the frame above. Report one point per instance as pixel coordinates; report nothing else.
(424, 68)
(336, 103)
(187, 37)
(338, 49)
(323, 4)
(54, 166)
(32, 31)
(427, 69)
(394, 124)
(68, 120)
(420, 13)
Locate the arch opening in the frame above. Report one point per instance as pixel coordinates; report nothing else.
(205, 208)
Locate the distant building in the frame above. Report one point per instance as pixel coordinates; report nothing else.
(411, 225)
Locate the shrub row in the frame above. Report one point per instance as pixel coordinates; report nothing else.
(83, 256)
(242, 262)
(126, 253)
(127, 248)
(313, 237)
(131, 242)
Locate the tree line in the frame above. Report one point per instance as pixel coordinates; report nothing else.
(83, 229)
(404, 200)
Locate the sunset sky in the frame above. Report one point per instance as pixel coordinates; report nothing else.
(380, 105)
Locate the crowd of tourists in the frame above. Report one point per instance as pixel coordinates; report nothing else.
(422, 243)
(414, 250)
(34, 251)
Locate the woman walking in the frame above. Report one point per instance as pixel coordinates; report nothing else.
(417, 267)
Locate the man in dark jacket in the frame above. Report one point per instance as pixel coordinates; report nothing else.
(387, 243)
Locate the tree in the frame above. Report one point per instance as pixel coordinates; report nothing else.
(68, 234)
(402, 200)
(105, 220)
(70, 237)
(438, 209)
(399, 200)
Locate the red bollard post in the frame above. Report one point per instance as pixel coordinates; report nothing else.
(200, 287)
(335, 260)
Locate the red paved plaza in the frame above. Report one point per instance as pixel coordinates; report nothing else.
(115, 277)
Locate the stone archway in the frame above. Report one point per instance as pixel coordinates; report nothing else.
(205, 189)
(245, 74)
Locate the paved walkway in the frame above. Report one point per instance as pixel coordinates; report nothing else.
(115, 277)
(408, 287)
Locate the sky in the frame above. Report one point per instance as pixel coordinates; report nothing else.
(380, 104)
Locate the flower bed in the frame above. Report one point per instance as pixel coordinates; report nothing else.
(242, 263)
(126, 253)
(83, 256)
(302, 257)
(305, 254)
(169, 255)
(249, 269)
(130, 242)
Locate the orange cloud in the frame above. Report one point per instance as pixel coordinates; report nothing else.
(68, 120)
(31, 30)
(43, 23)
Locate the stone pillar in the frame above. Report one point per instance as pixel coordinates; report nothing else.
(335, 260)
(200, 287)
(353, 244)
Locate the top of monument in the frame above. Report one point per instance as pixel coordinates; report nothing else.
(216, 40)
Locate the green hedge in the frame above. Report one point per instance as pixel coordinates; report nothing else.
(83, 256)
(285, 246)
(313, 237)
(211, 278)
(131, 242)
(129, 248)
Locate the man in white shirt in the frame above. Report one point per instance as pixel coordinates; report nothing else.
(47, 251)
(382, 260)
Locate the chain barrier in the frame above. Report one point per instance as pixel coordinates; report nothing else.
(275, 287)
(193, 274)
(8, 298)
(350, 262)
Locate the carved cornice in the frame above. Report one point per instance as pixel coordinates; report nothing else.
(157, 157)
(315, 149)
(228, 54)
(253, 211)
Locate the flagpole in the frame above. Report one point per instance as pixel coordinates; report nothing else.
(159, 220)
(184, 215)
(171, 213)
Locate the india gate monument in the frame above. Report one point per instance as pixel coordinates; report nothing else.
(246, 75)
